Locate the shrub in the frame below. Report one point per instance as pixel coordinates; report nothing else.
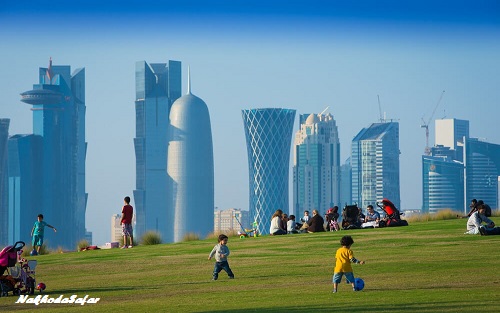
(151, 238)
(446, 214)
(229, 233)
(82, 244)
(191, 237)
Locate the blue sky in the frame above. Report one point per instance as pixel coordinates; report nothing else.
(303, 55)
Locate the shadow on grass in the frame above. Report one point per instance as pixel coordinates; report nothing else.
(339, 307)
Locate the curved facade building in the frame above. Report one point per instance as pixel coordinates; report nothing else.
(190, 167)
(482, 168)
(443, 184)
(268, 134)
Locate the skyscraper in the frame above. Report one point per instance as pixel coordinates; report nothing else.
(190, 167)
(375, 164)
(157, 86)
(268, 135)
(58, 102)
(4, 135)
(443, 183)
(482, 168)
(450, 133)
(25, 185)
(345, 183)
(316, 170)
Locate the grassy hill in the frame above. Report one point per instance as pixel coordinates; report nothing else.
(425, 267)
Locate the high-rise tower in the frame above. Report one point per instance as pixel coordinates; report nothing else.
(316, 179)
(482, 169)
(375, 164)
(190, 167)
(268, 134)
(4, 135)
(157, 85)
(58, 105)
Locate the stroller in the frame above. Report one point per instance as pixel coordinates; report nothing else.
(20, 278)
(350, 217)
(331, 218)
(393, 215)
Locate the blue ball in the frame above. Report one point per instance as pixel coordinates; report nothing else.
(359, 284)
(33, 252)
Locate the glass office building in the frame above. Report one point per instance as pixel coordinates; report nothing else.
(316, 170)
(25, 185)
(4, 135)
(375, 164)
(58, 105)
(482, 168)
(345, 183)
(268, 135)
(157, 86)
(443, 184)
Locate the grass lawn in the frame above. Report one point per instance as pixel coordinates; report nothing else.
(425, 267)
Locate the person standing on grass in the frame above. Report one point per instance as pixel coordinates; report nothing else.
(37, 233)
(221, 252)
(343, 259)
(126, 221)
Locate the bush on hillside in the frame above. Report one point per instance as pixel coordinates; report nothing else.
(151, 238)
(191, 237)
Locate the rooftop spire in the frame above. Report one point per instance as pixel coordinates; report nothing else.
(49, 70)
(189, 81)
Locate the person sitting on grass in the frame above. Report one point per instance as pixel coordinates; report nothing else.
(291, 226)
(315, 223)
(476, 219)
(275, 228)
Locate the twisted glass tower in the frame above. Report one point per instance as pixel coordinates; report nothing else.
(268, 134)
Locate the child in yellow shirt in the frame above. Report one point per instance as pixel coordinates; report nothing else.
(343, 259)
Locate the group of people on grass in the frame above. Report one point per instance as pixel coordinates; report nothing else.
(282, 223)
(479, 213)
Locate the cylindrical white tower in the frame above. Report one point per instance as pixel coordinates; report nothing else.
(190, 167)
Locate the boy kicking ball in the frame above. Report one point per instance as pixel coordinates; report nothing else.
(343, 259)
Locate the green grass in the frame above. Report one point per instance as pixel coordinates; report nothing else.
(425, 267)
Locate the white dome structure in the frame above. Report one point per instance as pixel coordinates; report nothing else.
(190, 166)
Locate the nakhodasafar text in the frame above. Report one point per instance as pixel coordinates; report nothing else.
(46, 299)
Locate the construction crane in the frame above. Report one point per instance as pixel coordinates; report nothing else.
(426, 125)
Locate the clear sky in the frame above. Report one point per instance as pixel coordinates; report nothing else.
(303, 55)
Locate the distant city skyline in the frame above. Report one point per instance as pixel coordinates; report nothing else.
(301, 55)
